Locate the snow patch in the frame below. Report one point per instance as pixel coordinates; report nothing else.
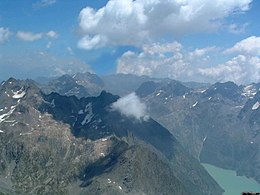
(210, 98)
(18, 94)
(249, 91)
(1, 131)
(3, 117)
(25, 133)
(204, 90)
(195, 104)
(12, 121)
(89, 115)
(256, 106)
(12, 125)
(238, 107)
(104, 139)
(53, 103)
(80, 112)
(7, 94)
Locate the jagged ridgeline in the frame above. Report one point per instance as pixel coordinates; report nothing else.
(54, 144)
(218, 124)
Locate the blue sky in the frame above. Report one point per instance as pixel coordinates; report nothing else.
(199, 40)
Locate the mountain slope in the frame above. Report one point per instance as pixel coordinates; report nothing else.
(53, 144)
(215, 124)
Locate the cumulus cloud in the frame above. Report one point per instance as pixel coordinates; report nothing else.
(129, 22)
(250, 45)
(131, 106)
(240, 69)
(199, 52)
(244, 67)
(52, 34)
(95, 42)
(164, 60)
(28, 36)
(4, 34)
(174, 61)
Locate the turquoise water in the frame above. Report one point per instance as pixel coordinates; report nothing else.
(230, 182)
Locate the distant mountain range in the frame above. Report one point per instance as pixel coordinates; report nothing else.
(88, 84)
(60, 144)
(217, 123)
(62, 134)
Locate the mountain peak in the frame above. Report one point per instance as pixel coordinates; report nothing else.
(227, 90)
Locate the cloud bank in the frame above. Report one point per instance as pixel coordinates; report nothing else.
(131, 106)
(241, 63)
(162, 60)
(243, 67)
(250, 46)
(129, 22)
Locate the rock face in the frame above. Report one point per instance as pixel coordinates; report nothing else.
(218, 124)
(54, 144)
(80, 85)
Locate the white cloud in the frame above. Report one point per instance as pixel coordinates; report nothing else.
(237, 29)
(199, 52)
(95, 42)
(128, 22)
(4, 34)
(52, 34)
(163, 60)
(174, 61)
(240, 69)
(250, 45)
(44, 3)
(244, 67)
(28, 36)
(131, 106)
(162, 48)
